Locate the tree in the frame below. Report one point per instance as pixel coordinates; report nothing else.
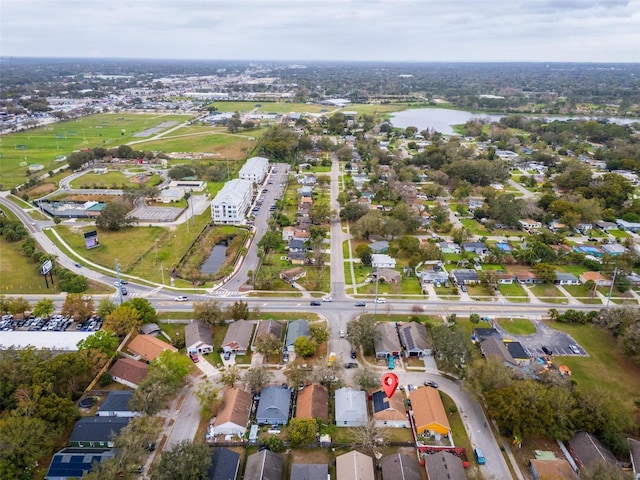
(450, 347)
(545, 272)
(304, 346)
(105, 307)
(366, 378)
(143, 306)
(115, 217)
(474, 318)
(267, 345)
(484, 375)
(319, 332)
(296, 374)
(186, 461)
(152, 393)
(4, 304)
(353, 211)
(44, 308)
(368, 437)
(602, 470)
(207, 394)
(208, 312)
(78, 306)
(122, 320)
(362, 331)
(302, 431)
(19, 305)
(274, 444)
(134, 438)
(173, 365)
(101, 340)
(23, 440)
(230, 376)
(270, 241)
(239, 310)
(256, 378)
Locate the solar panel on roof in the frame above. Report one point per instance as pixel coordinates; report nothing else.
(380, 402)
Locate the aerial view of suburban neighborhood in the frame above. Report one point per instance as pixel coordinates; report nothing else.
(226, 270)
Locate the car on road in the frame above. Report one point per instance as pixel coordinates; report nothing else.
(547, 351)
(380, 300)
(354, 355)
(429, 383)
(351, 365)
(327, 299)
(342, 334)
(78, 265)
(361, 304)
(181, 298)
(574, 349)
(315, 303)
(124, 291)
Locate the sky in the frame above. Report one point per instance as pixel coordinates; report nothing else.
(330, 30)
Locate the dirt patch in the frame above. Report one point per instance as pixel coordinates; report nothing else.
(38, 191)
(527, 452)
(310, 455)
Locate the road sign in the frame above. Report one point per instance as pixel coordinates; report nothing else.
(46, 267)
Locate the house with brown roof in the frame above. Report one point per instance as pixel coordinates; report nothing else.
(556, 469)
(399, 466)
(596, 277)
(354, 466)
(389, 412)
(148, 347)
(414, 339)
(273, 327)
(293, 274)
(428, 412)
(387, 342)
(238, 337)
(313, 402)
(128, 371)
(387, 275)
(444, 466)
(233, 413)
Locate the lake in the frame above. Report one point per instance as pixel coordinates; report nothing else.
(441, 119)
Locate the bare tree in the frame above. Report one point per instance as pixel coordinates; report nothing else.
(256, 378)
(369, 437)
(230, 376)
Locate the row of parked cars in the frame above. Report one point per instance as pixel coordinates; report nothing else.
(56, 323)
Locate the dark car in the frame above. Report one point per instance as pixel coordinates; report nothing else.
(360, 304)
(315, 303)
(429, 383)
(547, 351)
(351, 365)
(354, 355)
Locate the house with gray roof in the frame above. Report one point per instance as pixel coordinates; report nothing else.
(238, 337)
(399, 466)
(634, 453)
(387, 342)
(272, 327)
(309, 471)
(380, 246)
(495, 347)
(117, 404)
(351, 407)
(444, 466)
(296, 245)
(414, 339)
(225, 464)
(274, 405)
(264, 465)
(479, 248)
(198, 338)
(465, 276)
(73, 463)
(566, 279)
(97, 432)
(295, 329)
(587, 450)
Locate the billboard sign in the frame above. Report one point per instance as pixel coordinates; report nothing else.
(46, 267)
(91, 239)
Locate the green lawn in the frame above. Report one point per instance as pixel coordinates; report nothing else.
(619, 233)
(514, 292)
(106, 180)
(582, 293)
(45, 144)
(19, 274)
(548, 292)
(605, 367)
(517, 326)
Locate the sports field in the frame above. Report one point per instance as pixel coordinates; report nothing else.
(45, 145)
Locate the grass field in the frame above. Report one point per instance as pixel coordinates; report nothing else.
(605, 367)
(517, 326)
(18, 274)
(102, 180)
(44, 144)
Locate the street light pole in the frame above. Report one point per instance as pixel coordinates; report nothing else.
(119, 283)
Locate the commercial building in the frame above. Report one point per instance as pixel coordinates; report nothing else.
(254, 169)
(232, 202)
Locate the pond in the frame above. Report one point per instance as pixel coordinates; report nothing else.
(217, 257)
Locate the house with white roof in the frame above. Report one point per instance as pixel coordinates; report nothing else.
(232, 202)
(351, 407)
(254, 169)
(382, 260)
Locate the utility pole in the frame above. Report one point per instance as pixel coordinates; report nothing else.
(615, 274)
(119, 283)
(375, 301)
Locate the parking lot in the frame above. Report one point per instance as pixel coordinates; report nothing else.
(558, 343)
(56, 323)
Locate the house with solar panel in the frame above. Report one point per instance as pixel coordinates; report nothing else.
(414, 339)
(389, 412)
(72, 463)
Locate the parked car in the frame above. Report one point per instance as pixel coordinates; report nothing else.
(342, 334)
(354, 355)
(463, 288)
(194, 358)
(574, 349)
(181, 298)
(285, 357)
(547, 351)
(351, 365)
(227, 355)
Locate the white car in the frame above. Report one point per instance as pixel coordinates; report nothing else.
(181, 298)
(327, 299)
(342, 334)
(380, 300)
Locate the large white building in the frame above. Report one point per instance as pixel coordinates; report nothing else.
(255, 169)
(231, 203)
